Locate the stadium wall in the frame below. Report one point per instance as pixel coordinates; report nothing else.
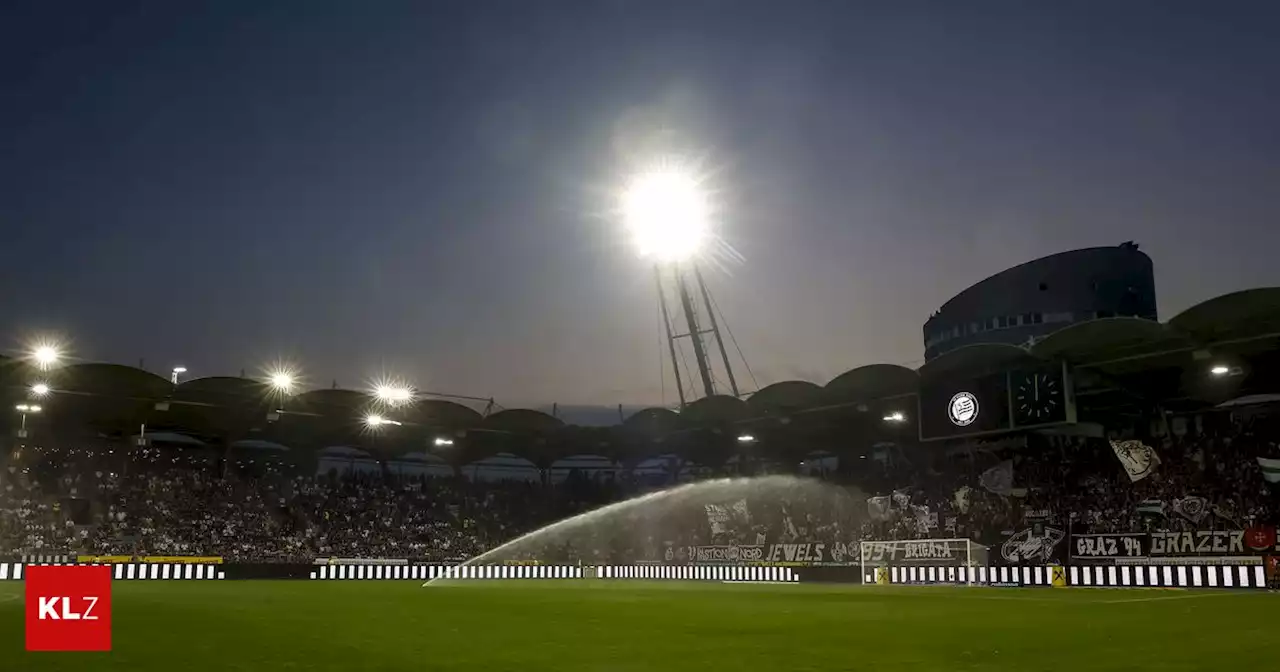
(1039, 297)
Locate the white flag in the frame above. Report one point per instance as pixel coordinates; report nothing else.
(717, 518)
(962, 498)
(921, 514)
(741, 511)
(1138, 458)
(878, 508)
(998, 479)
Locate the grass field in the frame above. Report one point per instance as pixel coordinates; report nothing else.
(624, 626)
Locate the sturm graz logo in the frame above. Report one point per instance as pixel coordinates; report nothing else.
(962, 409)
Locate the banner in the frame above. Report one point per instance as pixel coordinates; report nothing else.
(1096, 546)
(361, 561)
(1261, 538)
(892, 551)
(807, 554)
(1138, 459)
(1032, 545)
(998, 479)
(1193, 509)
(724, 554)
(1255, 540)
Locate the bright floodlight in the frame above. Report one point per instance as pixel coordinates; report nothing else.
(895, 416)
(746, 438)
(179, 369)
(375, 420)
(26, 408)
(40, 389)
(393, 394)
(281, 381)
(1220, 370)
(46, 355)
(667, 214)
(441, 441)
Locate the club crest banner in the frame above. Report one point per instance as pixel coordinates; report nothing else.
(1138, 459)
(1036, 545)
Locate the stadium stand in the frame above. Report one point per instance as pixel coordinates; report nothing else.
(81, 480)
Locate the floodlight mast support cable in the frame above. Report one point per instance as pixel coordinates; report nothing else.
(695, 334)
(715, 329)
(671, 338)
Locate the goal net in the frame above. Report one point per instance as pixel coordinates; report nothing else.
(921, 561)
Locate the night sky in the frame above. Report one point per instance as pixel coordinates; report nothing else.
(424, 188)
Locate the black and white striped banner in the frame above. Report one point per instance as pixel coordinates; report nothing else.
(654, 572)
(12, 571)
(1098, 576)
(1169, 576)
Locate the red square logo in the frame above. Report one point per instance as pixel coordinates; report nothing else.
(68, 608)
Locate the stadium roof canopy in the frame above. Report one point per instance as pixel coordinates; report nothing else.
(115, 400)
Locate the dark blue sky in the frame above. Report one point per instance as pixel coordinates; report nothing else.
(417, 187)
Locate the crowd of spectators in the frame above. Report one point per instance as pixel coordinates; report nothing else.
(178, 502)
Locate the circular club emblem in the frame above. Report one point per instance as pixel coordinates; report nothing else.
(963, 409)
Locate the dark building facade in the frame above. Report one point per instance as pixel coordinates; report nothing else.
(1039, 297)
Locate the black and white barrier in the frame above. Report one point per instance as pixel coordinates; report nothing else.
(1096, 576)
(12, 571)
(48, 559)
(1169, 576)
(1007, 576)
(651, 572)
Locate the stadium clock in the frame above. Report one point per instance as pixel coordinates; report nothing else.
(1039, 397)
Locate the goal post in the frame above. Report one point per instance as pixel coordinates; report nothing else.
(877, 557)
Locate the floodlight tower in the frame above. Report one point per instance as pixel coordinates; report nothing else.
(667, 214)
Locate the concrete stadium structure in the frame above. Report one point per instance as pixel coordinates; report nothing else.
(1032, 300)
(1127, 363)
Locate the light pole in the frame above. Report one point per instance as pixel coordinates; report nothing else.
(669, 218)
(24, 409)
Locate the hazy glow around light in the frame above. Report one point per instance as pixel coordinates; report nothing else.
(393, 393)
(374, 420)
(281, 381)
(667, 213)
(40, 389)
(46, 354)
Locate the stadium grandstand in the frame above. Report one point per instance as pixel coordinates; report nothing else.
(120, 460)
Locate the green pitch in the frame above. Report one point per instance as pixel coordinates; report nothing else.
(566, 626)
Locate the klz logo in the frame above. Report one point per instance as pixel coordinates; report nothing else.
(68, 608)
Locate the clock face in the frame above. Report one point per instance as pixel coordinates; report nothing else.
(1038, 399)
